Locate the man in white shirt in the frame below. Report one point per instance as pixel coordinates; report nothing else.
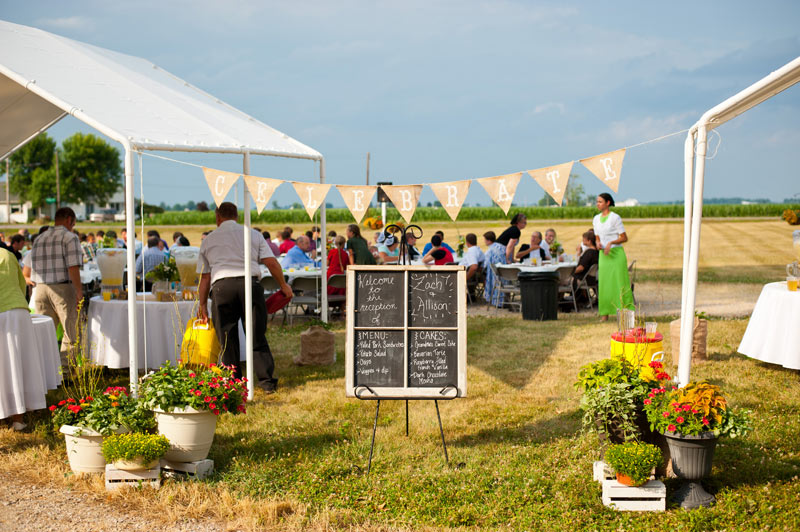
(473, 258)
(221, 266)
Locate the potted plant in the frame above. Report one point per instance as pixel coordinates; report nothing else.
(86, 421)
(633, 462)
(692, 419)
(187, 402)
(134, 451)
(162, 277)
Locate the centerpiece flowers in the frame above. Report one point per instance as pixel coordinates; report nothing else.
(633, 461)
(186, 402)
(692, 419)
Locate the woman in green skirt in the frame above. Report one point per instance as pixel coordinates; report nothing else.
(612, 274)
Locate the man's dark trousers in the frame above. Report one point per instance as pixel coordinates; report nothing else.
(227, 308)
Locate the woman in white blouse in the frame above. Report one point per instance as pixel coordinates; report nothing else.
(612, 274)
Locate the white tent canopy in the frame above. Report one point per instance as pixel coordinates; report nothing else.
(766, 88)
(44, 77)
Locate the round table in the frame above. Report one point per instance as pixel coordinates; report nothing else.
(164, 323)
(45, 332)
(773, 334)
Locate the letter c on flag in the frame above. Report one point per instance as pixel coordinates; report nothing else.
(220, 181)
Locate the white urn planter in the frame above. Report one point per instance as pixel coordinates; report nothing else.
(190, 433)
(84, 449)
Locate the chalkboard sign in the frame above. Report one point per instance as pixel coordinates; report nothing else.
(433, 299)
(406, 332)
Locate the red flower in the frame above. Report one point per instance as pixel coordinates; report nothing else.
(679, 419)
(208, 399)
(62, 403)
(70, 400)
(694, 411)
(53, 407)
(656, 364)
(671, 428)
(212, 406)
(687, 407)
(89, 398)
(241, 409)
(665, 414)
(192, 375)
(647, 401)
(216, 412)
(651, 394)
(705, 421)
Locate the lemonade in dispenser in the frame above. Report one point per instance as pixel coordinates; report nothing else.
(186, 258)
(111, 262)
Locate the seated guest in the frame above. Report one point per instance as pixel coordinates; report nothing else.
(331, 234)
(338, 261)
(412, 253)
(582, 246)
(313, 241)
(388, 248)
(286, 242)
(428, 246)
(535, 250)
(86, 248)
(589, 257)
(357, 247)
(438, 254)
(149, 259)
(204, 235)
(549, 239)
(296, 256)
(15, 246)
(272, 245)
(474, 258)
(175, 236)
(495, 254)
(162, 244)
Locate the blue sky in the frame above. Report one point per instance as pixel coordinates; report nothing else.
(446, 90)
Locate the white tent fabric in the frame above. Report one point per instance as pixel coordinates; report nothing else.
(694, 173)
(44, 77)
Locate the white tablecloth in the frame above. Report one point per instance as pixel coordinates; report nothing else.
(316, 272)
(22, 382)
(773, 334)
(539, 269)
(107, 331)
(45, 331)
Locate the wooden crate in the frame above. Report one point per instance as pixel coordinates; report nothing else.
(187, 470)
(601, 471)
(116, 478)
(652, 497)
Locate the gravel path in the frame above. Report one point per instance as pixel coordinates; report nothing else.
(26, 507)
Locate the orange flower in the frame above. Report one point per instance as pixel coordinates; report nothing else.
(114, 403)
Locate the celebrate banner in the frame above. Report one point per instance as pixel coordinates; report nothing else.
(357, 199)
(312, 195)
(553, 179)
(501, 189)
(220, 183)
(606, 167)
(404, 198)
(451, 195)
(261, 188)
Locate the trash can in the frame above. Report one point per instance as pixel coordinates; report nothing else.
(539, 294)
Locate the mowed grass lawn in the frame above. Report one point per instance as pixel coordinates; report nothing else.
(518, 459)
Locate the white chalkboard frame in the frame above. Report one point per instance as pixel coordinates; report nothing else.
(406, 392)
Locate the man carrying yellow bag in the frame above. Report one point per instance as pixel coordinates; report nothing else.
(200, 343)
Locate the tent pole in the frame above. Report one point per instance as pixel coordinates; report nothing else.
(688, 166)
(130, 226)
(324, 251)
(248, 292)
(687, 319)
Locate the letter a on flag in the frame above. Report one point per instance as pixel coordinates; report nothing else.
(312, 195)
(404, 198)
(451, 195)
(357, 199)
(606, 167)
(501, 188)
(220, 182)
(261, 188)
(553, 179)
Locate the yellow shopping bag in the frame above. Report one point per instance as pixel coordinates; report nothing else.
(200, 344)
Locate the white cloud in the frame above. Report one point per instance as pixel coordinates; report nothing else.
(635, 130)
(549, 106)
(66, 23)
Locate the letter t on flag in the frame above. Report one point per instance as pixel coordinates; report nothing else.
(220, 183)
(451, 195)
(607, 167)
(261, 188)
(312, 195)
(553, 179)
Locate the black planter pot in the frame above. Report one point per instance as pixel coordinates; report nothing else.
(691, 460)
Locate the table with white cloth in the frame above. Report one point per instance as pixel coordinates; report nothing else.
(22, 379)
(295, 273)
(539, 269)
(773, 333)
(45, 332)
(160, 325)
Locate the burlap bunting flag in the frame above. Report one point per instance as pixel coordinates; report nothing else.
(220, 183)
(261, 188)
(357, 199)
(451, 195)
(553, 179)
(312, 195)
(607, 167)
(501, 188)
(404, 198)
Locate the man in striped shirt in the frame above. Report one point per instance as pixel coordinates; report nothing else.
(56, 259)
(151, 257)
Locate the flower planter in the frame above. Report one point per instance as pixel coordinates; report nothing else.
(628, 481)
(135, 465)
(84, 449)
(189, 431)
(692, 457)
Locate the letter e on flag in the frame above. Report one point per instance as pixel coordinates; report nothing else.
(607, 167)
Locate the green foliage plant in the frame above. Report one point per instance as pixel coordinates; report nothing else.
(606, 371)
(135, 446)
(634, 459)
(165, 271)
(212, 388)
(611, 409)
(110, 411)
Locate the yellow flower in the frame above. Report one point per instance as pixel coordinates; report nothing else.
(112, 397)
(216, 369)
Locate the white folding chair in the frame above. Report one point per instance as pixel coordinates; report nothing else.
(565, 284)
(508, 284)
(338, 280)
(306, 295)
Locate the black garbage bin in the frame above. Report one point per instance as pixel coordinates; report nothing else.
(539, 294)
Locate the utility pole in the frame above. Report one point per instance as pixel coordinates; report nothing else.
(58, 185)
